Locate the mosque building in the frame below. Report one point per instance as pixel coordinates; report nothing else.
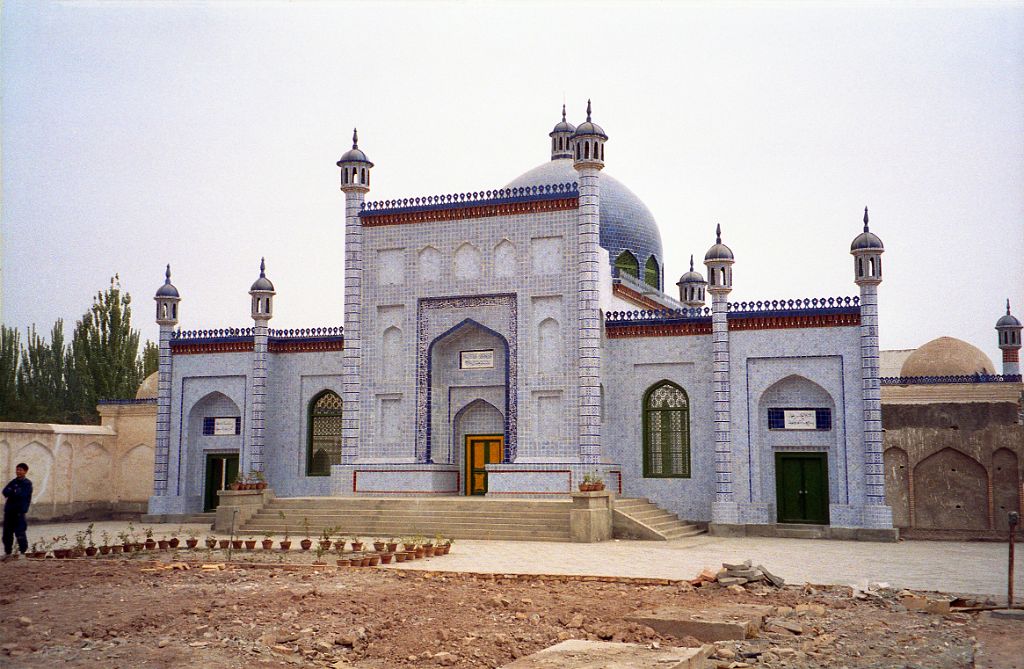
(508, 342)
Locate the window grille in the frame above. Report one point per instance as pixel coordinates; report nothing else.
(666, 432)
(324, 444)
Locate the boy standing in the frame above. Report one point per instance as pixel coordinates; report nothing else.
(18, 494)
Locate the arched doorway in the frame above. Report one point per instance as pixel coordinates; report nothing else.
(479, 432)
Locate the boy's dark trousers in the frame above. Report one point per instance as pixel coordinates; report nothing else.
(14, 527)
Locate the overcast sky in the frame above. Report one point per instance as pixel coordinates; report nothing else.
(205, 135)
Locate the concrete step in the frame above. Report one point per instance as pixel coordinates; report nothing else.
(640, 518)
(526, 516)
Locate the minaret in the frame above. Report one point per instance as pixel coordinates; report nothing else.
(355, 183)
(561, 138)
(587, 146)
(867, 252)
(167, 299)
(719, 260)
(262, 292)
(691, 288)
(1009, 328)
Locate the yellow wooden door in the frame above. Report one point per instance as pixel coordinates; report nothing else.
(481, 450)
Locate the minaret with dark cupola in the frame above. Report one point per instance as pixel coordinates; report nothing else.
(867, 250)
(262, 293)
(719, 260)
(587, 144)
(1009, 327)
(691, 288)
(355, 183)
(167, 299)
(561, 138)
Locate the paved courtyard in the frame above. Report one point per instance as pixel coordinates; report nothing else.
(963, 568)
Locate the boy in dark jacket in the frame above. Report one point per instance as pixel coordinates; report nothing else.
(18, 494)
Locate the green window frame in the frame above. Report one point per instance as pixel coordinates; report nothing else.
(652, 272)
(666, 425)
(627, 263)
(323, 443)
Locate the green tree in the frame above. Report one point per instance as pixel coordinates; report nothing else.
(150, 359)
(104, 356)
(10, 355)
(42, 391)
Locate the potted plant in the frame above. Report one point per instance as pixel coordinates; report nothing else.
(286, 542)
(268, 543)
(339, 544)
(392, 545)
(79, 548)
(448, 545)
(401, 556)
(259, 480)
(163, 543)
(409, 544)
(591, 483)
(236, 544)
(91, 549)
(150, 542)
(174, 542)
(211, 541)
(105, 546)
(307, 542)
(385, 558)
(325, 538)
(192, 541)
(320, 553)
(224, 544)
(357, 545)
(126, 541)
(379, 545)
(236, 484)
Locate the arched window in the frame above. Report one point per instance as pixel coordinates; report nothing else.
(651, 272)
(626, 264)
(666, 431)
(324, 445)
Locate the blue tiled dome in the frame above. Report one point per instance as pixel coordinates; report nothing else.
(626, 222)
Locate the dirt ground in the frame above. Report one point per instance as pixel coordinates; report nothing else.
(123, 612)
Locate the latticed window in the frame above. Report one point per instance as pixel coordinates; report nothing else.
(324, 448)
(666, 431)
(626, 263)
(651, 272)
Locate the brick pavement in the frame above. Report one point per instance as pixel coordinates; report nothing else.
(969, 568)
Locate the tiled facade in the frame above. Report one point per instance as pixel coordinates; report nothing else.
(498, 313)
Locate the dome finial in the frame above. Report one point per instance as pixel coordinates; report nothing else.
(718, 234)
(1007, 304)
(167, 280)
(588, 109)
(263, 267)
(865, 219)
(355, 138)
(563, 112)
(691, 262)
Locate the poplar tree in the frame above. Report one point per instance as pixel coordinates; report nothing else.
(42, 391)
(104, 355)
(10, 354)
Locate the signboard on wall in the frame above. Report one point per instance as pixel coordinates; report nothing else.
(800, 419)
(224, 426)
(476, 359)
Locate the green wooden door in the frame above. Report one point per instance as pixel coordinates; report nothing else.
(801, 487)
(221, 471)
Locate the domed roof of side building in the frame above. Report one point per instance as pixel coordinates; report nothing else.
(626, 222)
(148, 388)
(947, 356)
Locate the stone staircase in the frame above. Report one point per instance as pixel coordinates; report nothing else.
(455, 517)
(638, 518)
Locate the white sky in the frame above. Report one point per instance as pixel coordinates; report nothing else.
(205, 135)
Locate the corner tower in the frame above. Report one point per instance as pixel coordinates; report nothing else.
(587, 144)
(691, 288)
(262, 293)
(1009, 327)
(167, 299)
(719, 260)
(867, 250)
(561, 138)
(355, 183)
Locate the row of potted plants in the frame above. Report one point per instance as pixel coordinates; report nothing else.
(254, 481)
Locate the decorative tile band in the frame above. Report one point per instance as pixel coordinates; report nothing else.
(487, 197)
(145, 400)
(769, 322)
(932, 380)
(659, 330)
(280, 341)
(371, 220)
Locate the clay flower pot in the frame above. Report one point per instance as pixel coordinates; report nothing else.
(174, 542)
(400, 557)
(325, 544)
(236, 544)
(379, 546)
(419, 552)
(339, 546)
(344, 562)
(428, 550)
(150, 545)
(116, 548)
(250, 544)
(91, 551)
(211, 543)
(104, 550)
(409, 546)
(392, 547)
(306, 544)
(191, 543)
(224, 543)
(268, 544)
(163, 544)
(357, 546)
(385, 558)
(286, 545)
(374, 560)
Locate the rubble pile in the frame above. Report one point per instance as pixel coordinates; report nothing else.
(739, 575)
